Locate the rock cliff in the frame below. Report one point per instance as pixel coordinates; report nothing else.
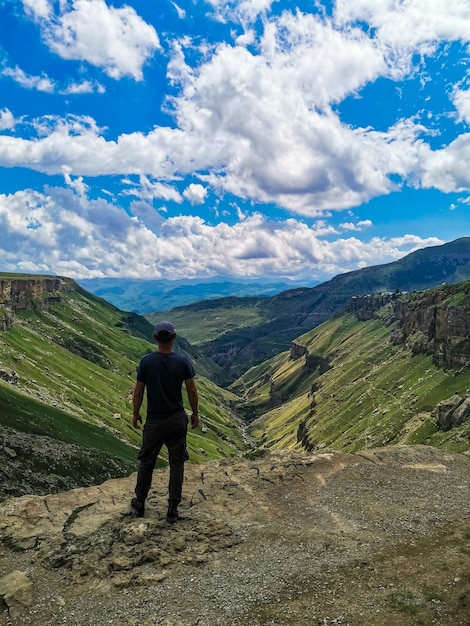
(23, 294)
(434, 322)
(366, 307)
(430, 324)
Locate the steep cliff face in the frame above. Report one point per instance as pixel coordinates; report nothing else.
(435, 323)
(366, 307)
(26, 294)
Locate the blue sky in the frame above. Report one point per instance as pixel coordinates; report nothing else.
(255, 138)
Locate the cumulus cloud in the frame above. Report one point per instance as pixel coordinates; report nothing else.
(7, 119)
(63, 232)
(358, 226)
(461, 100)
(291, 149)
(196, 194)
(446, 169)
(39, 9)
(117, 40)
(149, 190)
(259, 118)
(413, 25)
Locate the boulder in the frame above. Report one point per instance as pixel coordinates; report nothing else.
(17, 591)
(453, 412)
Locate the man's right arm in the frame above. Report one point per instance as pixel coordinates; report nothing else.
(193, 400)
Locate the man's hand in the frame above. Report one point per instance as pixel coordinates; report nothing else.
(136, 420)
(194, 420)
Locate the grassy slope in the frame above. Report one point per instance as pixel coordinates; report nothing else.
(205, 321)
(78, 360)
(375, 393)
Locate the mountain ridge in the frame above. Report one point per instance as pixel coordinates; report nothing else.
(145, 295)
(238, 333)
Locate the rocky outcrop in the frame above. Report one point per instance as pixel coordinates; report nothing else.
(16, 291)
(9, 376)
(303, 436)
(432, 324)
(29, 294)
(312, 361)
(366, 307)
(39, 464)
(17, 591)
(280, 538)
(453, 412)
(297, 351)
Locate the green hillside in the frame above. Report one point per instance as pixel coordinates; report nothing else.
(238, 333)
(75, 365)
(374, 393)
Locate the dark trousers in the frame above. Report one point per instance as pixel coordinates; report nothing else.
(170, 431)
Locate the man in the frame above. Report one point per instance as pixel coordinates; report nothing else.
(162, 373)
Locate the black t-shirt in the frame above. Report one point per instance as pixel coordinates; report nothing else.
(163, 375)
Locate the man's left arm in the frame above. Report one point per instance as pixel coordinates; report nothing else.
(137, 400)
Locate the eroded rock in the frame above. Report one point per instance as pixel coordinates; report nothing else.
(17, 591)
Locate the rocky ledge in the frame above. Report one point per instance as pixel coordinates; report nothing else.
(377, 538)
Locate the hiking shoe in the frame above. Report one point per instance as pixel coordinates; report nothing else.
(172, 514)
(138, 507)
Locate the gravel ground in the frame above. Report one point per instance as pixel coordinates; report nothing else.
(292, 539)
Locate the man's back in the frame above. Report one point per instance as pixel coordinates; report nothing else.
(163, 375)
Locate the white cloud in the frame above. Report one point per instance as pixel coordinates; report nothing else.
(447, 169)
(415, 24)
(7, 119)
(85, 86)
(149, 190)
(76, 184)
(40, 9)
(65, 233)
(181, 12)
(196, 194)
(243, 11)
(46, 84)
(39, 83)
(260, 125)
(461, 100)
(291, 149)
(358, 226)
(117, 40)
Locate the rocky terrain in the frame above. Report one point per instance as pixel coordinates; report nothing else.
(379, 538)
(19, 294)
(37, 464)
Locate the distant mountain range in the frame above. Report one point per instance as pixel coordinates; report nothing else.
(240, 332)
(146, 296)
